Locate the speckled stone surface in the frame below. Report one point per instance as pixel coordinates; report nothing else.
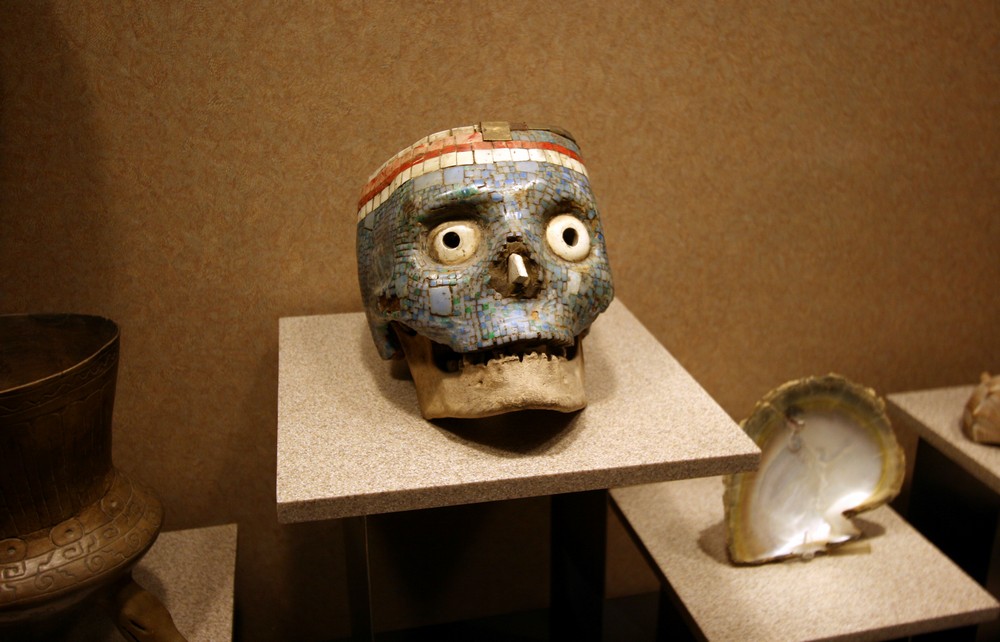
(351, 440)
(192, 572)
(936, 416)
(893, 583)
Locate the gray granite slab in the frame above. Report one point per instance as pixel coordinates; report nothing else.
(936, 416)
(893, 583)
(192, 572)
(351, 440)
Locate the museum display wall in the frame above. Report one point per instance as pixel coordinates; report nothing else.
(786, 191)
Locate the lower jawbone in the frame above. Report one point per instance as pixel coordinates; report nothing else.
(527, 376)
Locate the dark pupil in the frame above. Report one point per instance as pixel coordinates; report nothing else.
(452, 240)
(569, 236)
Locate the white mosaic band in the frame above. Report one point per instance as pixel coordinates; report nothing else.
(455, 147)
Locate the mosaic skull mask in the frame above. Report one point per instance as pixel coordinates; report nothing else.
(482, 260)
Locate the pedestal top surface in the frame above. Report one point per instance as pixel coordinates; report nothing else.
(192, 572)
(936, 416)
(893, 583)
(351, 440)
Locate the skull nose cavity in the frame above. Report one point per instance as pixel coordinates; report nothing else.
(514, 273)
(517, 273)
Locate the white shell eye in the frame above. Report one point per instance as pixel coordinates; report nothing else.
(568, 237)
(454, 241)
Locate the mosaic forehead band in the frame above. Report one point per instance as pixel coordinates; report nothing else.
(482, 144)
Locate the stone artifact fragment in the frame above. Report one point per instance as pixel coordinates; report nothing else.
(828, 453)
(71, 525)
(482, 261)
(981, 418)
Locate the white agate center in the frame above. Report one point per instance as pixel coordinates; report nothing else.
(807, 481)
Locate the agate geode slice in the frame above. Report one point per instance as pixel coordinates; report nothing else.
(828, 453)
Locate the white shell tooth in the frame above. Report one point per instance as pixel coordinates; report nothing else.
(517, 273)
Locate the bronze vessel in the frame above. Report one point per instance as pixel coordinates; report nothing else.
(71, 526)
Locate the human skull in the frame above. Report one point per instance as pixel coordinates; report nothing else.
(481, 259)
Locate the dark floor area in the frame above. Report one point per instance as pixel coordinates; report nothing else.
(626, 619)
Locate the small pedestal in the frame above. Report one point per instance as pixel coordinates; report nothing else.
(892, 583)
(192, 573)
(954, 493)
(935, 416)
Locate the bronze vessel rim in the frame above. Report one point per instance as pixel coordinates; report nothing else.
(79, 364)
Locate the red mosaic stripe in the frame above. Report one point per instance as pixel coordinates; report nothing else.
(440, 147)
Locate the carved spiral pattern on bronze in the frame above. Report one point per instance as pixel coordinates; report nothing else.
(81, 552)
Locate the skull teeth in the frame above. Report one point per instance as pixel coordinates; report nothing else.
(454, 362)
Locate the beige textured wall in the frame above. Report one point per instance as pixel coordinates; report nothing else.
(787, 188)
